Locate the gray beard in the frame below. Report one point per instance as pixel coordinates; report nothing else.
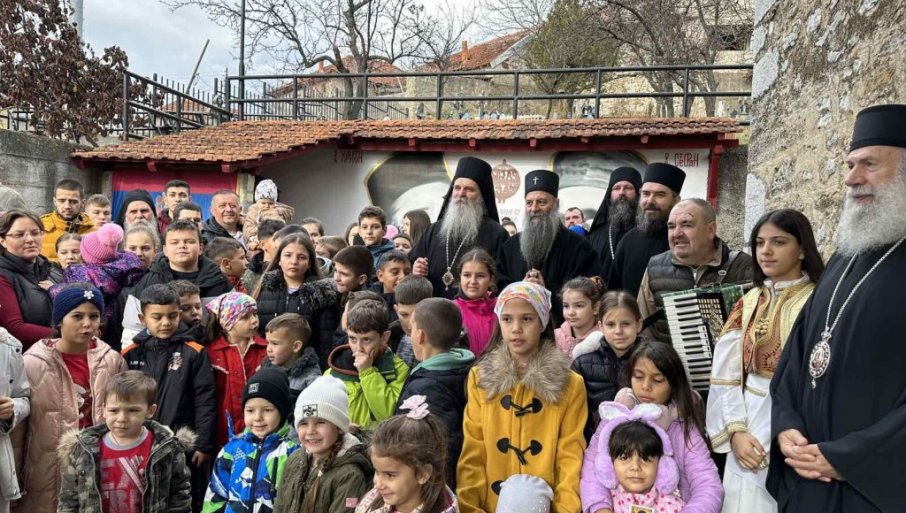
(537, 237)
(877, 224)
(623, 214)
(461, 221)
(651, 227)
(142, 222)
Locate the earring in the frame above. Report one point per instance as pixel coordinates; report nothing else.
(801, 256)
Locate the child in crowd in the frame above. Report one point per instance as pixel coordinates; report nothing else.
(100, 462)
(403, 243)
(635, 461)
(600, 359)
(68, 376)
(266, 206)
(581, 297)
(14, 408)
(236, 352)
(373, 375)
(251, 465)
(394, 267)
(329, 245)
(185, 380)
(143, 242)
(97, 207)
(288, 348)
(411, 291)
(476, 301)
(69, 249)
(352, 234)
(105, 267)
(263, 253)
(354, 266)
(656, 374)
(526, 409)
(191, 310)
(436, 327)
(333, 471)
(229, 254)
(409, 458)
(372, 229)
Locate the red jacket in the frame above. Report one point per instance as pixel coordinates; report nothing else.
(231, 372)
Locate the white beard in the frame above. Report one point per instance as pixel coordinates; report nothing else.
(537, 236)
(462, 220)
(876, 224)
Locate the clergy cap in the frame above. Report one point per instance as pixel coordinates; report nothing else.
(880, 125)
(626, 174)
(665, 174)
(480, 172)
(542, 180)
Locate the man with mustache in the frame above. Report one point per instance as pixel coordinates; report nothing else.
(839, 390)
(467, 219)
(616, 215)
(545, 252)
(67, 216)
(661, 189)
(697, 258)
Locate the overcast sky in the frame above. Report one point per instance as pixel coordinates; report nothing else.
(164, 42)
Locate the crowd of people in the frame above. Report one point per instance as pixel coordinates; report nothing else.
(251, 363)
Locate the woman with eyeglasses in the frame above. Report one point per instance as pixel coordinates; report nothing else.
(25, 277)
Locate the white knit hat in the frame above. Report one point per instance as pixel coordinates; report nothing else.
(524, 493)
(325, 399)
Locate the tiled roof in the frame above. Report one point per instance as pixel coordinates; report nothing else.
(241, 141)
(375, 66)
(481, 55)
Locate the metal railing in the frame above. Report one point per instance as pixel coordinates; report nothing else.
(293, 99)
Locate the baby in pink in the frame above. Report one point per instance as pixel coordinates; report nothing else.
(635, 460)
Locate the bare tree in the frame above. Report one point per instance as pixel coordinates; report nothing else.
(676, 32)
(351, 35)
(505, 16)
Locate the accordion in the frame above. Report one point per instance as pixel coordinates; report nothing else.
(696, 318)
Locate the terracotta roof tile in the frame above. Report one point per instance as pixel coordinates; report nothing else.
(481, 55)
(240, 141)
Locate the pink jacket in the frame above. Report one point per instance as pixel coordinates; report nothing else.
(699, 482)
(478, 319)
(566, 342)
(657, 501)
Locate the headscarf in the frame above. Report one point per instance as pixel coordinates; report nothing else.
(480, 172)
(134, 195)
(266, 189)
(70, 298)
(536, 295)
(231, 307)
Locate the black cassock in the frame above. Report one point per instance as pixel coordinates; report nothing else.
(491, 237)
(570, 256)
(857, 413)
(605, 240)
(632, 256)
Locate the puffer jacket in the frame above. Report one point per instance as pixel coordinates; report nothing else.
(301, 374)
(374, 392)
(14, 384)
(600, 367)
(378, 251)
(27, 307)
(125, 270)
(167, 479)
(478, 319)
(247, 472)
(566, 339)
(54, 228)
(55, 411)
(338, 489)
(211, 229)
(231, 372)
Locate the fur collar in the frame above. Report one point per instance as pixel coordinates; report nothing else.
(185, 437)
(547, 374)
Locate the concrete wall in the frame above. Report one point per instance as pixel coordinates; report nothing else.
(731, 197)
(32, 164)
(817, 63)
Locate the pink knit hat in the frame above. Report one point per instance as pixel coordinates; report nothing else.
(99, 247)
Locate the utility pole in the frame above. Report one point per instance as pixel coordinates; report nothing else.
(242, 61)
(195, 71)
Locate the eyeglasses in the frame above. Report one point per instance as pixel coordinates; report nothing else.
(34, 234)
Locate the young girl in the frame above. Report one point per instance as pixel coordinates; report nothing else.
(787, 265)
(333, 471)
(106, 268)
(402, 242)
(249, 467)
(600, 358)
(69, 249)
(526, 409)
(409, 457)
(656, 375)
(476, 298)
(236, 353)
(581, 297)
(143, 242)
(635, 461)
(68, 376)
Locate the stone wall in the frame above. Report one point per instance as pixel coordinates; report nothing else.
(817, 63)
(32, 164)
(731, 200)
